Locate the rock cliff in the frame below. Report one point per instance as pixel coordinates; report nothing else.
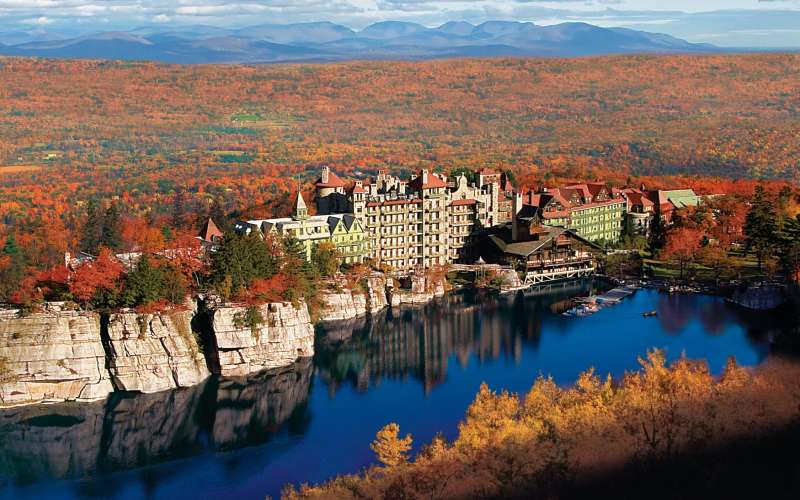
(69, 441)
(154, 352)
(369, 298)
(54, 355)
(249, 340)
(422, 291)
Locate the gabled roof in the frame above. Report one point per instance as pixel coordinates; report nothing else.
(329, 179)
(210, 231)
(526, 248)
(356, 188)
(640, 199)
(427, 180)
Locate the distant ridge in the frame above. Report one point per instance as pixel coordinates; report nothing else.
(325, 41)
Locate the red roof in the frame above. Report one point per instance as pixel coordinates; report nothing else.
(639, 199)
(427, 180)
(210, 231)
(460, 203)
(487, 171)
(355, 188)
(333, 180)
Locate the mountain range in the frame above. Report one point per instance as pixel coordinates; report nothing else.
(325, 41)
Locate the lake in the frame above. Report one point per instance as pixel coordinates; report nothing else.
(418, 367)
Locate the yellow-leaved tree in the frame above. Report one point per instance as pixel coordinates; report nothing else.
(389, 448)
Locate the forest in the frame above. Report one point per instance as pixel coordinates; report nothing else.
(157, 149)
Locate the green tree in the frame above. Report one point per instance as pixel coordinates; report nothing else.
(111, 231)
(790, 248)
(143, 285)
(178, 209)
(239, 261)
(658, 233)
(149, 283)
(93, 228)
(13, 263)
(300, 271)
(760, 227)
(326, 259)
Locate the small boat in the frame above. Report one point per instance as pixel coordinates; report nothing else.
(650, 314)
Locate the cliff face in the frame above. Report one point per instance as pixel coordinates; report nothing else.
(281, 334)
(370, 298)
(56, 355)
(69, 441)
(154, 352)
(423, 290)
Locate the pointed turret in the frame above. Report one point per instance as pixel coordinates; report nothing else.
(300, 210)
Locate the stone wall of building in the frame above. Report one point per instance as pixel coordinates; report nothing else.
(54, 355)
(154, 352)
(282, 334)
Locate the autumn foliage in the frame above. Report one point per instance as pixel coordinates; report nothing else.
(101, 274)
(547, 443)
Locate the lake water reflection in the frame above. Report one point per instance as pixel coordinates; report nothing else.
(417, 367)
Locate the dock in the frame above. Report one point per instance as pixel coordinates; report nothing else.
(586, 306)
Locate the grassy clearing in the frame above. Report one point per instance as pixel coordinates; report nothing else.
(18, 169)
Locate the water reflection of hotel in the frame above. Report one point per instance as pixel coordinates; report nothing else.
(419, 343)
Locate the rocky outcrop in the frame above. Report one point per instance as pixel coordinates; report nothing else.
(369, 297)
(760, 297)
(251, 339)
(423, 290)
(154, 352)
(54, 355)
(69, 441)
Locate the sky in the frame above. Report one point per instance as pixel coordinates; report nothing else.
(731, 23)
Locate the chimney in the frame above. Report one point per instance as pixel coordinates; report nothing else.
(326, 173)
(516, 208)
(424, 177)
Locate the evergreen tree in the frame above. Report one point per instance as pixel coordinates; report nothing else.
(178, 209)
(239, 261)
(658, 233)
(143, 285)
(790, 248)
(13, 263)
(111, 233)
(93, 228)
(326, 259)
(760, 227)
(217, 214)
(298, 269)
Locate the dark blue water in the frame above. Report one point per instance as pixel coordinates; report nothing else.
(419, 367)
